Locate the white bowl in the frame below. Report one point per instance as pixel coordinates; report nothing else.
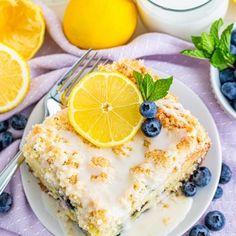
(216, 87)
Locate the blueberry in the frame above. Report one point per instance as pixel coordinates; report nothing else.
(233, 49)
(215, 220)
(218, 193)
(233, 37)
(151, 127)
(189, 189)
(202, 176)
(3, 126)
(234, 105)
(226, 174)
(226, 75)
(6, 139)
(199, 230)
(6, 202)
(148, 109)
(229, 90)
(18, 121)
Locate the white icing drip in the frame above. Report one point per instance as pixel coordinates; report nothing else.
(112, 194)
(160, 220)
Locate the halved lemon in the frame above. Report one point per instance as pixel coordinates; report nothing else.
(104, 108)
(14, 78)
(22, 26)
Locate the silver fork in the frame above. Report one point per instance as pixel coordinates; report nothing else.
(53, 103)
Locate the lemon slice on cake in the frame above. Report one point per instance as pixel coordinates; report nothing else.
(14, 78)
(104, 108)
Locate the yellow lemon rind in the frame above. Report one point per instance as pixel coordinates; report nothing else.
(39, 12)
(25, 75)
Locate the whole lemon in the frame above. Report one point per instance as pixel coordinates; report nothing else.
(99, 23)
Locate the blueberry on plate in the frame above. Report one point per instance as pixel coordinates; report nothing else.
(229, 90)
(18, 122)
(218, 193)
(4, 126)
(151, 127)
(202, 176)
(226, 174)
(189, 189)
(226, 75)
(233, 37)
(6, 139)
(233, 49)
(215, 220)
(6, 202)
(199, 230)
(148, 109)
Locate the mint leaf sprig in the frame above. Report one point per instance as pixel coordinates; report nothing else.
(214, 47)
(152, 90)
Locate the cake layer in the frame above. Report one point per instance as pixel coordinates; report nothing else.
(103, 188)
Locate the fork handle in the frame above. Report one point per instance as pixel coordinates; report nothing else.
(7, 173)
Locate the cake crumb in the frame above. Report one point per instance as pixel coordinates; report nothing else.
(166, 220)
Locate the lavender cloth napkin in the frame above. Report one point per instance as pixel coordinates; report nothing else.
(160, 52)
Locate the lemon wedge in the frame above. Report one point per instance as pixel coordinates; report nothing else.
(14, 78)
(22, 26)
(104, 108)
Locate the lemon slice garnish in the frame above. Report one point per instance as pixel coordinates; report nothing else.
(104, 108)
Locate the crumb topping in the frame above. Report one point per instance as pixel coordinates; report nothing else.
(122, 150)
(101, 177)
(158, 157)
(99, 162)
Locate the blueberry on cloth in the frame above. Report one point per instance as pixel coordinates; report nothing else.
(226, 75)
(202, 176)
(6, 202)
(234, 105)
(4, 126)
(6, 139)
(199, 230)
(151, 127)
(233, 37)
(215, 220)
(18, 121)
(189, 189)
(233, 49)
(148, 109)
(229, 90)
(218, 193)
(226, 174)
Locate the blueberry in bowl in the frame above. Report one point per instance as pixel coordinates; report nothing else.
(224, 81)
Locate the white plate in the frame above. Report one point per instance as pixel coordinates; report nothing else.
(201, 201)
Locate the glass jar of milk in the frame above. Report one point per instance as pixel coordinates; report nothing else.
(58, 6)
(181, 18)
